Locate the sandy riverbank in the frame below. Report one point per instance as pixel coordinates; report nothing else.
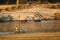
(34, 36)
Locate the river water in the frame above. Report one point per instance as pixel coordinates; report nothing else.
(31, 26)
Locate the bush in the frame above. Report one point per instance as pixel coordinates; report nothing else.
(53, 6)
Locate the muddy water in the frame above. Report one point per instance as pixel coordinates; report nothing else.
(30, 26)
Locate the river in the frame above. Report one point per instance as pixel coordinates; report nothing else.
(31, 26)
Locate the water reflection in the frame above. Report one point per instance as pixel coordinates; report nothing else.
(6, 33)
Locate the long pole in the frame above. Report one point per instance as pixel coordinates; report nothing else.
(17, 3)
(19, 22)
(7, 1)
